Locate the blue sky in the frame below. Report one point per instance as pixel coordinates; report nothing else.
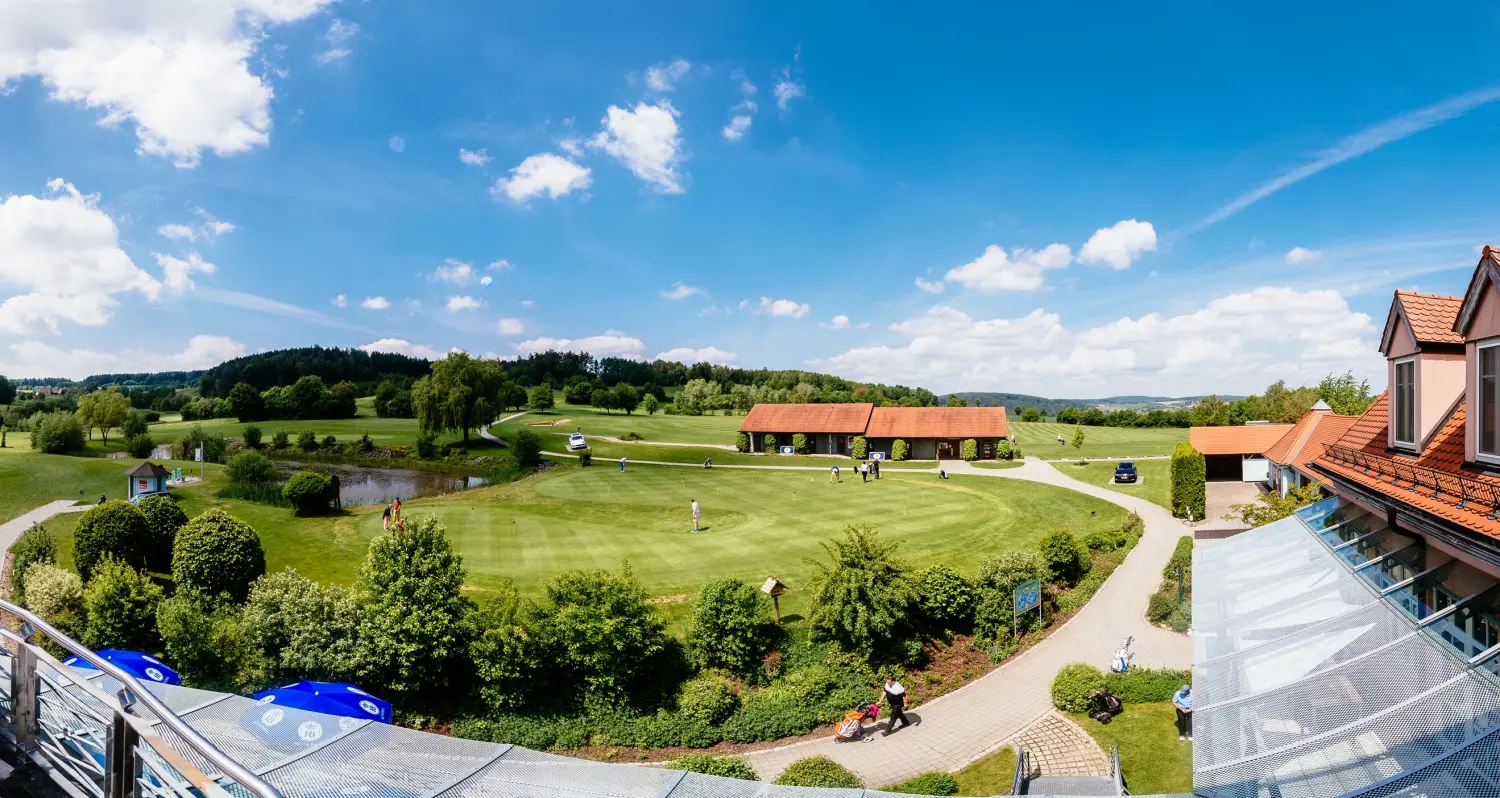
(1113, 200)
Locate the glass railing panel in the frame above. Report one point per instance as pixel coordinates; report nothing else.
(1318, 509)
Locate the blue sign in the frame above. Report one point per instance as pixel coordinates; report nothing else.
(788, 450)
(1028, 596)
(877, 455)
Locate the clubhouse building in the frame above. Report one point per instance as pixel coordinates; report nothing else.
(930, 433)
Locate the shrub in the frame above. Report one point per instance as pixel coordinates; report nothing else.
(1182, 557)
(307, 441)
(585, 458)
(303, 629)
(1106, 540)
(217, 553)
(113, 529)
(152, 416)
(134, 424)
(120, 606)
(632, 436)
(1147, 685)
(214, 446)
(56, 595)
(935, 783)
(818, 771)
(279, 439)
(860, 448)
(364, 443)
(525, 730)
(427, 447)
(731, 626)
(1003, 450)
(1066, 558)
(970, 449)
(308, 492)
(139, 446)
(945, 598)
(34, 547)
(800, 444)
(204, 641)
(251, 436)
(413, 631)
(770, 443)
(861, 598)
(330, 442)
(742, 441)
(729, 767)
(1189, 478)
(602, 632)
(771, 714)
(57, 433)
(250, 467)
(527, 446)
(1161, 604)
(163, 519)
(1073, 685)
(506, 651)
(898, 450)
(707, 698)
(998, 577)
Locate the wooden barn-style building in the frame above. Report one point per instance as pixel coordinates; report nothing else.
(931, 433)
(830, 429)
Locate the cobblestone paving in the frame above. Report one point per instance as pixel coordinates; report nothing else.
(1058, 747)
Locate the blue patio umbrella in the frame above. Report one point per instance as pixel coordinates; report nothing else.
(329, 698)
(142, 666)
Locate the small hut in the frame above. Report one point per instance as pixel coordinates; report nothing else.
(145, 479)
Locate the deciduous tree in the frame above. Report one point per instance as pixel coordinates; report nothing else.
(461, 393)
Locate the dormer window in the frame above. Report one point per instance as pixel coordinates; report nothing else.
(1403, 408)
(1487, 396)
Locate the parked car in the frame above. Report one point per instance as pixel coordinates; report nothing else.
(1125, 471)
(576, 441)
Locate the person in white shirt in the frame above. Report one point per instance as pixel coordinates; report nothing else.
(895, 696)
(695, 515)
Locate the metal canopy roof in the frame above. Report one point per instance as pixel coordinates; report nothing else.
(1319, 670)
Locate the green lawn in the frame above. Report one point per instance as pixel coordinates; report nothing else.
(1039, 439)
(1154, 483)
(713, 430)
(1152, 758)
(29, 479)
(383, 431)
(992, 775)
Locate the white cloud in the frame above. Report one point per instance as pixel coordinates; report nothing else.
(399, 346)
(1120, 245)
(708, 354)
(473, 157)
(272, 307)
(177, 273)
(738, 126)
(341, 301)
(510, 326)
(461, 303)
(456, 272)
(178, 71)
(1264, 334)
(1021, 271)
(526, 303)
(207, 229)
(375, 303)
(612, 343)
(338, 36)
(37, 359)
(543, 173)
(681, 290)
(1301, 255)
(743, 113)
(839, 322)
(930, 286)
(787, 89)
(572, 145)
(647, 141)
(64, 253)
(396, 143)
(777, 307)
(663, 77)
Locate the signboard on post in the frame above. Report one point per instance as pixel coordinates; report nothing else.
(1028, 597)
(788, 450)
(877, 455)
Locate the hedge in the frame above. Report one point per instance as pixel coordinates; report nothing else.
(861, 448)
(970, 449)
(1073, 685)
(729, 767)
(1189, 482)
(1076, 681)
(308, 492)
(33, 547)
(898, 450)
(1163, 606)
(935, 783)
(1003, 450)
(800, 444)
(818, 771)
(742, 441)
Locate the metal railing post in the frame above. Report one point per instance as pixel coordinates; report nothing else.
(23, 698)
(119, 757)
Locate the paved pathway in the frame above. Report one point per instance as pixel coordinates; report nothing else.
(10, 530)
(1059, 747)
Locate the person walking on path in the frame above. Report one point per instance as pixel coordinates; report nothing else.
(1183, 703)
(875, 464)
(895, 696)
(695, 516)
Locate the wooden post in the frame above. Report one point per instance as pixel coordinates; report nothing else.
(774, 588)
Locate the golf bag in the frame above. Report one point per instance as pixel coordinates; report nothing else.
(852, 727)
(1105, 706)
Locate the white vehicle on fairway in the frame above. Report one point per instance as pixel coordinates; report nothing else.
(576, 441)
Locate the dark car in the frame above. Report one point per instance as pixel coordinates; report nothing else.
(1125, 471)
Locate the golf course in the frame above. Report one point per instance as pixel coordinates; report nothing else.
(1039, 439)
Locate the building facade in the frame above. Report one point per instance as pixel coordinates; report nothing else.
(930, 433)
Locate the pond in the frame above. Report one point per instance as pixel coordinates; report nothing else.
(365, 485)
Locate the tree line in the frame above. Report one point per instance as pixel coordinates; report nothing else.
(1343, 393)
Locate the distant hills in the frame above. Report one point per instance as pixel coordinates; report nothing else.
(1010, 401)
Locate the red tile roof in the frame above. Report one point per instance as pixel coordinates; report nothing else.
(147, 469)
(1306, 441)
(848, 419)
(1432, 316)
(938, 422)
(1444, 453)
(1247, 439)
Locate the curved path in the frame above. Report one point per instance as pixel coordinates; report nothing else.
(981, 717)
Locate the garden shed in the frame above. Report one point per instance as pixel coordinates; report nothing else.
(145, 479)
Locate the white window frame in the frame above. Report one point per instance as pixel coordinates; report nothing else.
(1395, 403)
(1479, 453)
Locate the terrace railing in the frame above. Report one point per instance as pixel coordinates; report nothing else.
(95, 745)
(1433, 484)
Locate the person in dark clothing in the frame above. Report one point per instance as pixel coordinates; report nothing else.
(876, 465)
(895, 696)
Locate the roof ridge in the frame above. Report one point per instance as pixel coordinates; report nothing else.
(1400, 292)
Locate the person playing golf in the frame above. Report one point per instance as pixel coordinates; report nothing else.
(696, 512)
(833, 475)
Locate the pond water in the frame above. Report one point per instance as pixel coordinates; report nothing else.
(365, 485)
